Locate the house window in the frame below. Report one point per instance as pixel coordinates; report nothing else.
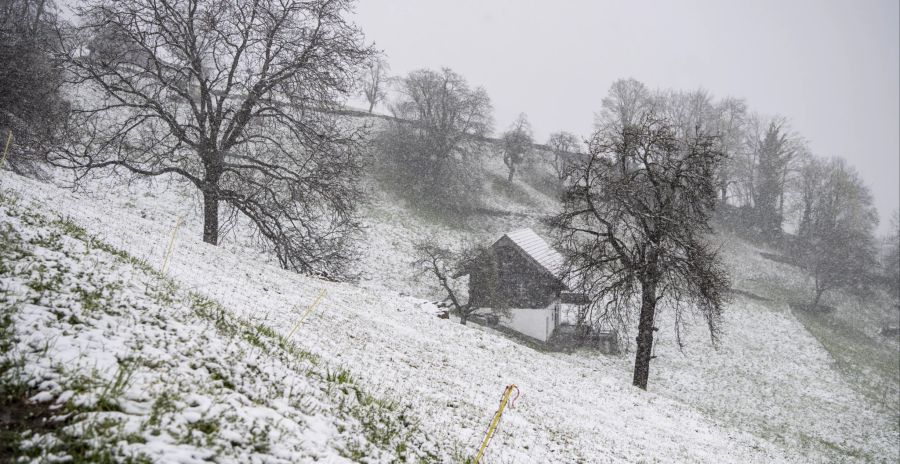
(521, 289)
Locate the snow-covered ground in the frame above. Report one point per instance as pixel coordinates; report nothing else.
(771, 394)
(138, 368)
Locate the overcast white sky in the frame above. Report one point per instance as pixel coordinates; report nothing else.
(832, 67)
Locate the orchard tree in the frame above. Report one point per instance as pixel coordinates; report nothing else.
(449, 114)
(564, 145)
(686, 111)
(446, 267)
(891, 257)
(427, 150)
(775, 153)
(725, 119)
(627, 101)
(516, 143)
(810, 182)
(235, 98)
(729, 124)
(836, 241)
(745, 161)
(633, 224)
(375, 80)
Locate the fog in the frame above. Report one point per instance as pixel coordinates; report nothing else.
(831, 67)
(418, 231)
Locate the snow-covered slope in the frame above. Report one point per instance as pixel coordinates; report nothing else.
(770, 395)
(123, 364)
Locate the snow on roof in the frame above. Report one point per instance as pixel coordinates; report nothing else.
(535, 247)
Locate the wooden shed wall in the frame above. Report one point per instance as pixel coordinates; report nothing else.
(520, 282)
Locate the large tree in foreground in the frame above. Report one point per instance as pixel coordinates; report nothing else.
(235, 97)
(633, 227)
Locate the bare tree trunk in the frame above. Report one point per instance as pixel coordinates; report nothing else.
(37, 16)
(815, 303)
(512, 170)
(211, 216)
(371, 105)
(781, 206)
(820, 289)
(463, 317)
(644, 352)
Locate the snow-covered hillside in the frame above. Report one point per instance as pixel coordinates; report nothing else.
(124, 364)
(771, 394)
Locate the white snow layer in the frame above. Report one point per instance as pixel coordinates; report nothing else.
(769, 395)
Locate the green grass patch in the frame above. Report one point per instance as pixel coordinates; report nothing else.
(89, 432)
(872, 368)
(513, 192)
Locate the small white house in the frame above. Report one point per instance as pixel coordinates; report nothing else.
(525, 277)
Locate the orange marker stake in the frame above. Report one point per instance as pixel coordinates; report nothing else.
(495, 421)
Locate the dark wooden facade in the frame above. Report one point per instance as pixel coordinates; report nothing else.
(510, 278)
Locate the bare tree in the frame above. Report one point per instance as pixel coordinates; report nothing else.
(235, 98)
(428, 150)
(446, 266)
(628, 100)
(891, 257)
(32, 108)
(810, 183)
(836, 241)
(776, 153)
(725, 119)
(564, 146)
(632, 228)
(375, 80)
(688, 112)
(516, 143)
(29, 16)
(449, 113)
(730, 119)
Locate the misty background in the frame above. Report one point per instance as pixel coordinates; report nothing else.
(831, 67)
(239, 230)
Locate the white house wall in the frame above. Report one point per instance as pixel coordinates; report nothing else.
(536, 323)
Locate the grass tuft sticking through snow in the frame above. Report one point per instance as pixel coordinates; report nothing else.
(870, 367)
(68, 287)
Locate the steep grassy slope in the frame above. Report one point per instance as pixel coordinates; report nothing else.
(774, 377)
(823, 385)
(448, 376)
(106, 360)
(773, 392)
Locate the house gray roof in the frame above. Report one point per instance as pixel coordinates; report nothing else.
(538, 249)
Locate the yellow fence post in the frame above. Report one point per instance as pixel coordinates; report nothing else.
(171, 246)
(303, 316)
(6, 149)
(494, 422)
